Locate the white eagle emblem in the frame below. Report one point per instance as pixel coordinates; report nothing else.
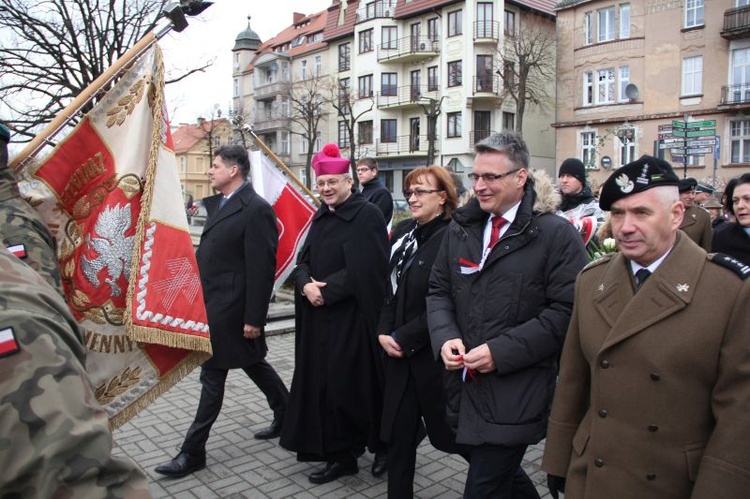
(624, 182)
(112, 245)
(683, 288)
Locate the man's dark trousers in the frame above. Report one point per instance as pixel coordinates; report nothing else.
(212, 396)
(495, 472)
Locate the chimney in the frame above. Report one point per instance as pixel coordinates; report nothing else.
(297, 17)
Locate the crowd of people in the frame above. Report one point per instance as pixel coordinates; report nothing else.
(482, 325)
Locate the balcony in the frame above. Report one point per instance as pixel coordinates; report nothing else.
(477, 135)
(269, 88)
(486, 32)
(269, 120)
(409, 49)
(405, 145)
(487, 86)
(735, 96)
(736, 23)
(405, 97)
(376, 10)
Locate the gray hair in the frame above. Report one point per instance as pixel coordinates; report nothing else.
(507, 142)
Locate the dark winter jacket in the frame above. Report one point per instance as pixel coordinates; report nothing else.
(378, 194)
(519, 303)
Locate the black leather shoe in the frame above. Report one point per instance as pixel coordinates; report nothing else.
(379, 464)
(332, 471)
(272, 431)
(182, 465)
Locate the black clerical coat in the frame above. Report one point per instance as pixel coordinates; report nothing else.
(336, 393)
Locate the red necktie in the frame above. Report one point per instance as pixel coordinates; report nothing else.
(497, 223)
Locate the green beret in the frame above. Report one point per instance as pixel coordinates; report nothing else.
(4, 133)
(638, 176)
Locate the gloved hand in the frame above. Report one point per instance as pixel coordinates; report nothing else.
(555, 484)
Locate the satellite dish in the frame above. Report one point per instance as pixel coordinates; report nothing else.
(631, 91)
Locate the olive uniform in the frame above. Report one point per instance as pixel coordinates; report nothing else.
(56, 440)
(696, 223)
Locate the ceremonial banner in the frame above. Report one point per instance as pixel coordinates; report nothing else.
(294, 213)
(111, 193)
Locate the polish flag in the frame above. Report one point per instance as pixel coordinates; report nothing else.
(294, 213)
(8, 343)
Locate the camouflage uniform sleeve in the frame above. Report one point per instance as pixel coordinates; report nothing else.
(20, 224)
(56, 440)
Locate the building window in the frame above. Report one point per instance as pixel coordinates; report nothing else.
(605, 86)
(285, 146)
(432, 79)
(625, 20)
(317, 65)
(692, 75)
(455, 77)
(388, 130)
(345, 54)
(388, 84)
(627, 152)
(343, 134)
(365, 86)
(433, 29)
(286, 107)
(454, 125)
(364, 132)
(217, 142)
(588, 88)
(236, 87)
(303, 70)
(455, 23)
(623, 83)
(344, 96)
(509, 75)
(183, 162)
(316, 144)
(509, 121)
(510, 23)
(588, 28)
(390, 37)
(365, 41)
(740, 136)
(588, 149)
(606, 24)
(693, 13)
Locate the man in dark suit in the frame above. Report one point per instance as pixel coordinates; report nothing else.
(237, 263)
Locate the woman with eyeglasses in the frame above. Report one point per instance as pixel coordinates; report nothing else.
(413, 379)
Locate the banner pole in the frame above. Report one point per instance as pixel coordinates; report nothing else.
(283, 167)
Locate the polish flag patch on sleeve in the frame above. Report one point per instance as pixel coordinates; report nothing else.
(18, 250)
(8, 342)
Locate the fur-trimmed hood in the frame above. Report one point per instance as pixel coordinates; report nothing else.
(547, 196)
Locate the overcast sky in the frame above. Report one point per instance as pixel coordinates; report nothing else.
(211, 35)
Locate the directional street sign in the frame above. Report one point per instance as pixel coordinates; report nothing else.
(678, 133)
(667, 136)
(678, 124)
(665, 128)
(700, 150)
(700, 142)
(701, 133)
(701, 124)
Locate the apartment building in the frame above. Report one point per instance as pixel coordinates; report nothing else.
(194, 145)
(655, 77)
(419, 80)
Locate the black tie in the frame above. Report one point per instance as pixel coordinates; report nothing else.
(641, 276)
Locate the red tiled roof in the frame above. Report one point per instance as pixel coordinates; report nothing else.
(186, 136)
(545, 6)
(333, 31)
(404, 10)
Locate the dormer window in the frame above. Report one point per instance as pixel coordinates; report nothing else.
(299, 41)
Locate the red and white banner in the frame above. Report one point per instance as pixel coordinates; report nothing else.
(111, 193)
(294, 213)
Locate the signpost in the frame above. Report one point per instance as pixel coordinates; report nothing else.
(684, 138)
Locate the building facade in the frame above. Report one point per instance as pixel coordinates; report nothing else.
(655, 77)
(406, 82)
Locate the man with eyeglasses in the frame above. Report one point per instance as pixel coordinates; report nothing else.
(373, 189)
(336, 395)
(500, 299)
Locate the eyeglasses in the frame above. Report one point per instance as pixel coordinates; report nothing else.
(490, 177)
(320, 184)
(363, 169)
(419, 193)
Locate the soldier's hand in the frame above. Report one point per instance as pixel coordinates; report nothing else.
(390, 346)
(452, 353)
(313, 294)
(251, 332)
(480, 359)
(555, 484)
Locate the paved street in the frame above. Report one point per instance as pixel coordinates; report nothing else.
(240, 466)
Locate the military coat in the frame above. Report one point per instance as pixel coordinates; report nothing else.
(653, 398)
(696, 223)
(55, 439)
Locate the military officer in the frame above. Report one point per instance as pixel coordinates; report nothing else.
(696, 222)
(22, 231)
(653, 392)
(55, 439)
